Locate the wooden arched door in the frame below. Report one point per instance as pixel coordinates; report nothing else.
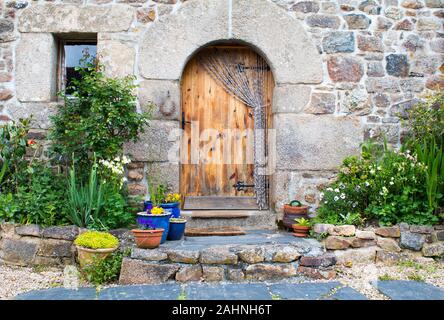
(217, 149)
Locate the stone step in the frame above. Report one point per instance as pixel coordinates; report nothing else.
(214, 231)
(246, 219)
(256, 256)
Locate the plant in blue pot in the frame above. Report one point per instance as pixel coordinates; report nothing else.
(172, 203)
(157, 197)
(156, 218)
(177, 229)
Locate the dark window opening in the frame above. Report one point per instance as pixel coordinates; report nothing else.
(74, 54)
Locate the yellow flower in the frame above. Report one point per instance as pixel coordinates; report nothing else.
(156, 210)
(173, 197)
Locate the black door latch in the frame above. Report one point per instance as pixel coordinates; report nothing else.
(241, 186)
(183, 121)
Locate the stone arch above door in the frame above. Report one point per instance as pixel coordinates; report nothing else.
(171, 41)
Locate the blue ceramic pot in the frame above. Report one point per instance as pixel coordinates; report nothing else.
(173, 207)
(147, 206)
(155, 220)
(176, 231)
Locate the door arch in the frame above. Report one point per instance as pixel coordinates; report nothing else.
(219, 148)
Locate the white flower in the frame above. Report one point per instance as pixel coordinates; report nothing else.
(337, 190)
(329, 189)
(391, 183)
(366, 184)
(321, 196)
(342, 196)
(342, 186)
(372, 171)
(336, 198)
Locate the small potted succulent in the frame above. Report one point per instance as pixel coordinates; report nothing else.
(93, 246)
(147, 236)
(156, 218)
(294, 210)
(301, 227)
(177, 228)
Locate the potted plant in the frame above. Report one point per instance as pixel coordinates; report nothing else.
(172, 203)
(294, 210)
(147, 236)
(94, 246)
(157, 218)
(157, 197)
(177, 228)
(301, 228)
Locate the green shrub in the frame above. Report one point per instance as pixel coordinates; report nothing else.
(96, 240)
(97, 118)
(384, 184)
(104, 271)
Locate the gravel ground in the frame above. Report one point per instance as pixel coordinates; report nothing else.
(359, 276)
(15, 280)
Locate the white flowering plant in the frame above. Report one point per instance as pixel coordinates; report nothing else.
(383, 184)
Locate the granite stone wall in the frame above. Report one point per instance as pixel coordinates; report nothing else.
(345, 70)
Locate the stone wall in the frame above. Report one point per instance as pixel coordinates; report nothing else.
(344, 69)
(32, 245)
(389, 245)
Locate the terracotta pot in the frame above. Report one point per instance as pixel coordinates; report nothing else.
(87, 256)
(148, 239)
(300, 231)
(291, 213)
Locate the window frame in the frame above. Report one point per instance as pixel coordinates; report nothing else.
(61, 68)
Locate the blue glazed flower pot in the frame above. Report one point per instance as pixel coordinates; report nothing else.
(176, 231)
(147, 206)
(155, 220)
(173, 207)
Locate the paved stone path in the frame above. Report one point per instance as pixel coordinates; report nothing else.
(394, 289)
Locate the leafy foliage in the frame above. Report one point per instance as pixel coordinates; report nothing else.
(104, 271)
(97, 118)
(96, 240)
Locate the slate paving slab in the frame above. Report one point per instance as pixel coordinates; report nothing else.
(347, 293)
(409, 290)
(167, 291)
(303, 291)
(235, 291)
(59, 294)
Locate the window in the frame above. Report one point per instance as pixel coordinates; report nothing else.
(70, 54)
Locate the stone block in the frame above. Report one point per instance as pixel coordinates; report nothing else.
(422, 229)
(148, 254)
(388, 244)
(323, 21)
(361, 243)
(167, 173)
(412, 241)
(19, 251)
(117, 57)
(379, 85)
(338, 41)
(359, 255)
(337, 243)
(159, 139)
(367, 235)
(290, 98)
(344, 69)
(305, 7)
(218, 256)
(391, 232)
(262, 23)
(308, 142)
(235, 275)
(344, 230)
(325, 260)
(370, 43)
(189, 273)
(285, 254)
(59, 18)
(322, 103)
(397, 65)
(263, 272)
(183, 256)
(433, 249)
(356, 102)
(390, 258)
(36, 67)
(315, 273)
(32, 230)
(6, 30)
(56, 248)
(164, 95)
(63, 233)
(141, 272)
(320, 228)
(213, 273)
(252, 255)
(357, 21)
(40, 112)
